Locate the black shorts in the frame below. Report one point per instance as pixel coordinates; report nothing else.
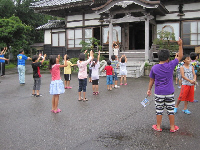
(95, 82)
(67, 77)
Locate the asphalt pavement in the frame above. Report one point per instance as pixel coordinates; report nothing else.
(113, 120)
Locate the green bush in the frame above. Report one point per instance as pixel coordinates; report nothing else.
(45, 65)
(11, 65)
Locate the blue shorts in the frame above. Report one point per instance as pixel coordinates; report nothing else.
(82, 85)
(109, 79)
(115, 76)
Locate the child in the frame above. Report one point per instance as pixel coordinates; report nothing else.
(114, 64)
(188, 81)
(82, 75)
(67, 73)
(90, 70)
(178, 74)
(162, 74)
(36, 74)
(195, 64)
(56, 86)
(123, 71)
(109, 72)
(2, 62)
(115, 49)
(95, 75)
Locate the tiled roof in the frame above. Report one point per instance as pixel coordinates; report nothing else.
(52, 24)
(49, 3)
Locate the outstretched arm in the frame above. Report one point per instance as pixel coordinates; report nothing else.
(98, 56)
(43, 58)
(65, 62)
(180, 52)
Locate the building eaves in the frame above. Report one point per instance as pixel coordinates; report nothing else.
(52, 24)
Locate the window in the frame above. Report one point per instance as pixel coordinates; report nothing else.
(116, 34)
(58, 39)
(74, 37)
(191, 33)
(88, 35)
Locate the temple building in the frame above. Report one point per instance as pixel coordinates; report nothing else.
(134, 24)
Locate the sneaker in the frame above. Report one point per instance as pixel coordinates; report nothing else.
(33, 95)
(97, 93)
(186, 111)
(179, 87)
(38, 95)
(176, 128)
(195, 101)
(175, 110)
(156, 129)
(117, 87)
(94, 93)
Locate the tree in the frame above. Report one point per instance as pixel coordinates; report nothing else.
(13, 33)
(7, 8)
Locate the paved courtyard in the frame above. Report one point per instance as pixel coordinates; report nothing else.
(113, 120)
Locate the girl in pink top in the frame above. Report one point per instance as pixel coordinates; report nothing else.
(56, 86)
(82, 74)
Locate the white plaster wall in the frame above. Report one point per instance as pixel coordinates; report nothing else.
(75, 24)
(192, 6)
(168, 16)
(57, 30)
(172, 7)
(92, 16)
(174, 25)
(92, 22)
(74, 17)
(191, 14)
(47, 37)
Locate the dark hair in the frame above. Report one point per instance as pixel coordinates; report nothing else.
(108, 62)
(94, 62)
(185, 56)
(68, 57)
(82, 57)
(163, 55)
(52, 61)
(123, 60)
(21, 50)
(113, 57)
(193, 55)
(34, 58)
(114, 45)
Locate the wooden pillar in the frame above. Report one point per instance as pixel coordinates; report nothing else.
(110, 38)
(147, 39)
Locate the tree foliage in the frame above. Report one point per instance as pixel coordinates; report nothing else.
(19, 32)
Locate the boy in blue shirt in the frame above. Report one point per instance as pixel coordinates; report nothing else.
(21, 59)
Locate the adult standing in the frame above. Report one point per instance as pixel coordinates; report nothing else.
(2, 62)
(21, 60)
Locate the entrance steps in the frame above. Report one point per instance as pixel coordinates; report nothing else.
(135, 63)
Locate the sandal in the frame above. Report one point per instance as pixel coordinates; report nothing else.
(94, 93)
(156, 129)
(97, 93)
(186, 111)
(84, 100)
(176, 128)
(80, 99)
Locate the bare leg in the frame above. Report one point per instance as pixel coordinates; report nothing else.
(93, 88)
(97, 88)
(115, 82)
(84, 93)
(68, 83)
(38, 92)
(171, 120)
(121, 79)
(53, 102)
(178, 102)
(65, 83)
(125, 79)
(159, 119)
(33, 92)
(56, 102)
(108, 87)
(79, 96)
(180, 81)
(185, 105)
(176, 80)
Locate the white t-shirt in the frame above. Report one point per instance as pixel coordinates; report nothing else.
(95, 71)
(116, 50)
